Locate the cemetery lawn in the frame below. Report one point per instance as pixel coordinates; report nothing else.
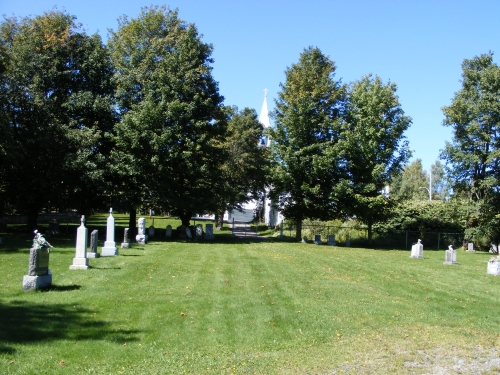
(233, 306)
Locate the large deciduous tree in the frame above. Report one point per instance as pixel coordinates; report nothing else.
(375, 147)
(172, 118)
(304, 149)
(473, 156)
(59, 111)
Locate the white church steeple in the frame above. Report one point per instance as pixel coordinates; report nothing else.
(264, 119)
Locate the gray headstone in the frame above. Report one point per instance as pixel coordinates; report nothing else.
(493, 248)
(38, 262)
(53, 227)
(450, 256)
(417, 250)
(126, 239)
(168, 231)
(199, 231)
(151, 231)
(305, 240)
(331, 240)
(188, 233)
(92, 253)
(209, 232)
(347, 243)
(317, 239)
(470, 247)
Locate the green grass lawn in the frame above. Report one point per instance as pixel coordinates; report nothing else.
(233, 306)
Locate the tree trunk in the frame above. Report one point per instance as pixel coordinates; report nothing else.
(298, 231)
(370, 231)
(219, 220)
(185, 218)
(132, 222)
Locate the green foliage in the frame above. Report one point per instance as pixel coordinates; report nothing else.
(172, 116)
(304, 142)
(244, 170)
(424, 215)
(472, 157)
(58, 109)
(375, 149)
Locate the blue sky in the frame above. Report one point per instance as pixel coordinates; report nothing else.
(419, 45)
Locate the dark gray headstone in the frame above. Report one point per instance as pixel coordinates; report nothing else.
(38, 262)
(93, 241)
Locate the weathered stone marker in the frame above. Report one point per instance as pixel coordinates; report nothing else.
(317, 239)
(80, 261)
(110, 249)
(198, 231)
(126, 239)
(331, 240)
(142, 237)
(92, 253)
(168, 231)
(39, 275)
(450, 257)
(209, 232)
(417, 250)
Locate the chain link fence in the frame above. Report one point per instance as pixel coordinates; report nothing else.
(358, 236)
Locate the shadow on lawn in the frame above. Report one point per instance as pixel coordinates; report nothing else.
(22, 322)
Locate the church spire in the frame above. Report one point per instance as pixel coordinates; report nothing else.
(264, 112)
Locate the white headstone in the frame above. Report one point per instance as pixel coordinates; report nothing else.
(417, 250)
(80, 261)
(110, 249)
(470, 247)
(494, 266)
(450, 256)
(142, 237)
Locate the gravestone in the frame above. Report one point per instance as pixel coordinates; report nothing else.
(168, 231)
(110, 249)
(92, 253)
(494, 266)
(493, 248)
(80, 261)
(126, 239)
(470, 247)
(331, 240)
(188, 233)
(151, 232)
(347, 243)
(450, 256)
(142, 237)
(39, 275)
(209, 232)
(317, 239)
(417, 250)
(198, 231)
(305, 240)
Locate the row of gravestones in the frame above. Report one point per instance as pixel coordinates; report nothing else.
(39, 275)
(330, 242)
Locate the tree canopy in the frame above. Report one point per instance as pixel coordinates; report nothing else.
(308, 118)
(473, 156)
(172, 117)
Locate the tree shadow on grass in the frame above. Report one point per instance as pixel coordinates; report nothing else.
(22, 323)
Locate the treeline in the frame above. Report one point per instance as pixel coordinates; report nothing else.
(140, 122)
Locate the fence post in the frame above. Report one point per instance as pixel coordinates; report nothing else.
(439, 239)
(232, 228)
(406, 240)
(281, 231)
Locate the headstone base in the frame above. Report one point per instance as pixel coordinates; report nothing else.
(126, 245)
(36, 282)
(493, 267)
(305, 240)
(142, 239)
(79, 264)
(93, 255)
